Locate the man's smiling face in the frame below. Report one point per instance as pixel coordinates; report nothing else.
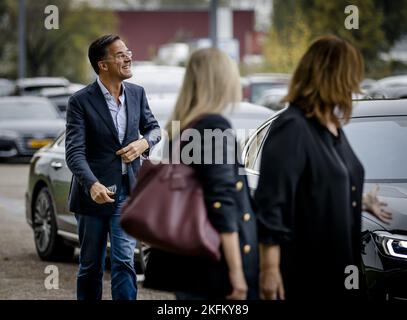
(118, 60)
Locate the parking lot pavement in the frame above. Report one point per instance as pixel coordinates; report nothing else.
(22, 273)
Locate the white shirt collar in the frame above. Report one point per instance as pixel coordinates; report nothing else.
(106, 92)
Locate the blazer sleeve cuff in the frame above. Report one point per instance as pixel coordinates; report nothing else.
(272, 237)
(90, 182)
(152, 139)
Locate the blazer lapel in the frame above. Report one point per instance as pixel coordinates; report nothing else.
(98, 103)
(131, 105)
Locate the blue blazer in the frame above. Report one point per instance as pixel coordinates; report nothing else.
(92, 142)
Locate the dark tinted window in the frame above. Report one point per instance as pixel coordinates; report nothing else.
(14, 110)
(381, 145)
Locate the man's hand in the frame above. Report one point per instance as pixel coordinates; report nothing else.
(100, 194)
(133, 150)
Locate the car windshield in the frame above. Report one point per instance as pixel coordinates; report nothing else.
(380, 144)
(14, 110)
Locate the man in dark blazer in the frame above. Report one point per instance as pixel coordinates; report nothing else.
(103, 149)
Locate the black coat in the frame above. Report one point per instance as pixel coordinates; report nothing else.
(229, 207)
(309, 198)
(92, 142)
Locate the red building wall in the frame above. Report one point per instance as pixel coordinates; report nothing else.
(145, 31)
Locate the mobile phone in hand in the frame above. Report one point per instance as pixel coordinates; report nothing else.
(113, 189)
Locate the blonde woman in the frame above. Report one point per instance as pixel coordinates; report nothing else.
(212, 83)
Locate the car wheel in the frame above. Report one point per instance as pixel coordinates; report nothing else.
(50, 246)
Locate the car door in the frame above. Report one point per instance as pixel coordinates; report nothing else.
(60, 177)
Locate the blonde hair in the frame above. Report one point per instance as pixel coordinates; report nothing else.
(324, 80)
(211, 83)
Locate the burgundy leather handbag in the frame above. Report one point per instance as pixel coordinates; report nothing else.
(166, 210)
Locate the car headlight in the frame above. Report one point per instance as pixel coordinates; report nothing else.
(394, 245)
(8, 134)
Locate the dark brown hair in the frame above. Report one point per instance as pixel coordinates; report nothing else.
(324, 80)
(98, 49)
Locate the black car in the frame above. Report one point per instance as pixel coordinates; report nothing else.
(26, 125)
(378, 134)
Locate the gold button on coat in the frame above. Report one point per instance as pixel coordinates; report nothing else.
(246, 249)
(246, 217)
(239, 185)
(354, 204)
(217, 205)
(353, 188)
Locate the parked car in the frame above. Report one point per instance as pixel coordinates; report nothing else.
(55, 233)
(6, 87)
(390, 87)
(33, 86)
(254, 85)
(396, 92)
(26, 125)
(158, 81)
(173, 54)
(271, 98)
(367, 84)
(60, 96)
(378, 134)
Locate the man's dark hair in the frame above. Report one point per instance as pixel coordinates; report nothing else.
(97, 50)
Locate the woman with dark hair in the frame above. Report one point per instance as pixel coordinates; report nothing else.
(309, 195)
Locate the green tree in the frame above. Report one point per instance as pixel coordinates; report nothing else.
(381, 24)
(394, 23)
(63, 51)
(328, 17)
(288, 38)
(3, 24)
(7, 50)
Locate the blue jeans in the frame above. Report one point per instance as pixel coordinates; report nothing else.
(93, 232)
